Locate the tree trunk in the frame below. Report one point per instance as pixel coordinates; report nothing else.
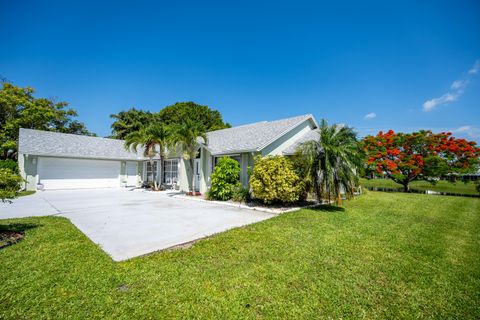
(316, 186)
(162, 174)
(155, 185)
(405, 187)
(339, 196)
(193, 176)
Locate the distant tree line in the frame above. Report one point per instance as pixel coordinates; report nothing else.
(133, 120)
(19, 108)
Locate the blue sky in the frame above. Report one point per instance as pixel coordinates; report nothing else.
(253, 61)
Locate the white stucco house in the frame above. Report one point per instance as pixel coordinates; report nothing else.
(51, 160)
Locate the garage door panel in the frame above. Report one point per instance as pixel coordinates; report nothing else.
(60, 173)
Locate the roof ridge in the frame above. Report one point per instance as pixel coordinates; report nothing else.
(260, 122)
(71, 134)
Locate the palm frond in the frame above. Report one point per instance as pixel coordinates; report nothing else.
(332, 161)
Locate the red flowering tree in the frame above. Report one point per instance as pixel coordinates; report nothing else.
(423, 155)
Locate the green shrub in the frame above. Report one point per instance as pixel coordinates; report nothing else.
(274, 180)
(9, 185)
(225, 178)
(9, 164)
(301, 167)
(241, 194)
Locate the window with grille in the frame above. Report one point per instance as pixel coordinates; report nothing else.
(151, 171)
(170, 171)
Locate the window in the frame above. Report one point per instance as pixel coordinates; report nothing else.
(151, 171)
(170, 171)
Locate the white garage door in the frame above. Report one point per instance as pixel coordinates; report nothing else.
(62, 173)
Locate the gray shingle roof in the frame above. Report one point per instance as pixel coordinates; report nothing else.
(309, 136)
(37, 142)
(251, 137)
(246, 138)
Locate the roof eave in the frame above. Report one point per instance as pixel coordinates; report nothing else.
(227, 152)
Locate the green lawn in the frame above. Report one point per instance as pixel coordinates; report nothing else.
(26, 193)
(441, 186)
(387, 255)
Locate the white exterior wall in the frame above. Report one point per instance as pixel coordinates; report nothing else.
(28, 171)
(184, 175)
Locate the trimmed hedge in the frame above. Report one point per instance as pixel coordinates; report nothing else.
(274, 180)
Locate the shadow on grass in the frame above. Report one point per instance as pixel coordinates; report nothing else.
(12, 233)
(327, 208)
(17, 227)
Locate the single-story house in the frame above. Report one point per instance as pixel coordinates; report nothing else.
(52, 160)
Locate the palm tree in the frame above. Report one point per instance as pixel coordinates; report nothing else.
(331, 162)
(154, 139)
(187, 137)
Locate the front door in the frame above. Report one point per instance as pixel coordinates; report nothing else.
(132, 171)
(196, 172)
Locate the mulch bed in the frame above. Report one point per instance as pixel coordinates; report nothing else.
(7, 238)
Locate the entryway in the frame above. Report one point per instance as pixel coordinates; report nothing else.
(132, 174)
(196, 172)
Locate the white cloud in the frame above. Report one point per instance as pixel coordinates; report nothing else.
(470, 131)
(476, 68)
(435, 102)
(456, 90)
(370, 115)
(458, 84)
(463, 129)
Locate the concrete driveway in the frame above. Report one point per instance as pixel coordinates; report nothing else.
(128, 224)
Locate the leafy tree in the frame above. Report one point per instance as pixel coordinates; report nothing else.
(132, 120)
(20, 109)
(9, 164)
(187, 136)
(423, 155)
(225, 179)
(180, 111)
(154, 140)
(331, 162)
(9, 184)
(274, 180)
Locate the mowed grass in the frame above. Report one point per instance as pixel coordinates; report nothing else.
(26, 193)
(386, 256)
(441, 186)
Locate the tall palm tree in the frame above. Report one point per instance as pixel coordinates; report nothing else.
(187, 137)
(332, 161)
(154, 140)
